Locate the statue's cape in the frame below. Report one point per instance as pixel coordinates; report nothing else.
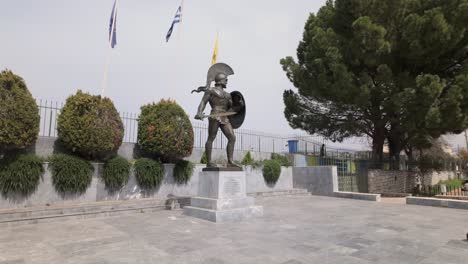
(238, 105)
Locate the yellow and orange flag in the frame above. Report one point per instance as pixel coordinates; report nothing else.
(215, 51)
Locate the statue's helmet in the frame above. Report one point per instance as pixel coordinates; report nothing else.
(220, 78)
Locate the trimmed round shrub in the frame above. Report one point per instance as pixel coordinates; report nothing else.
(116, 173)
(19, 113)
(271, 171)
(149, 173)
(183, 171)
(90, 126)
(165, 131)
(70, 174)
(247, 160)
(20, 174)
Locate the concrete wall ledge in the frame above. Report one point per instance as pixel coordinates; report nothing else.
(458, 204)
(358, 196)
(450, 197)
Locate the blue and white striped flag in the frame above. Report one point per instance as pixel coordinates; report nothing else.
(177, 19)
(113, 26)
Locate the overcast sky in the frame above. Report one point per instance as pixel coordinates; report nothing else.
(60, 46)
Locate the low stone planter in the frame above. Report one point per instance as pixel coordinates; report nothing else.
(45, 193)
(256, 182)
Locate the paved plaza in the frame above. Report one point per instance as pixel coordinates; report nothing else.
(296, 230)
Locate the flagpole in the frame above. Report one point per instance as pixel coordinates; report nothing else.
(106, 66)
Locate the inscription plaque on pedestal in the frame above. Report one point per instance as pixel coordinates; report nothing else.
(232, 186)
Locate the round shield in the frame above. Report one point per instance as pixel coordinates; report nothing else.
(238, 105)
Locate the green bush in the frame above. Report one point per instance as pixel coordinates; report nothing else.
(116, 173)
(281, 159)
(70, 175)
(247, 160)
(164, 130)
(257, 163)
(90, 126)
(149, 173)
(271, 171)
(19, 113)
(204, 159)
(454, 183)
(20, 174)
(183, 171)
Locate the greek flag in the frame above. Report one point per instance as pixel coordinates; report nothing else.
(113, 26)
(177, 19)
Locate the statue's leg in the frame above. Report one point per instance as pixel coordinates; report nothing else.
(228, 131)
(212, 131)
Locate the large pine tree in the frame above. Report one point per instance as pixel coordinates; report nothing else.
(393, 70)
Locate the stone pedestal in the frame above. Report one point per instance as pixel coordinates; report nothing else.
(222, 197)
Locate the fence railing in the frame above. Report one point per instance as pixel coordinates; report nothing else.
(429, 191)
(245, 139)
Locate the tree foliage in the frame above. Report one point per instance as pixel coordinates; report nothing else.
(19, 114)
(393, 70)
(90, 126)
(165, 131)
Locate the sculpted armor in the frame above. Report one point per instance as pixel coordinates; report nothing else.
(221, 102)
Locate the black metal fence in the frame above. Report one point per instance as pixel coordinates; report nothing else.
(430, 191)
(245, 139)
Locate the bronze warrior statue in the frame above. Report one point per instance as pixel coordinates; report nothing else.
(227, 110)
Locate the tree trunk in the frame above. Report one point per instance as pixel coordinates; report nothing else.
(377, 151)
(394, 147)
(409, 153)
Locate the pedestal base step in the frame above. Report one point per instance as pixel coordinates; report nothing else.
(229, 215)
(222, 204)
(286, 193)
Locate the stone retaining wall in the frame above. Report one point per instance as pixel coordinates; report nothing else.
(382, 181)
(318, 180)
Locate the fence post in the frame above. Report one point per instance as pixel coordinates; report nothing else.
(258, 143)
(45, 118)
(242, 141)
(50, 119)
